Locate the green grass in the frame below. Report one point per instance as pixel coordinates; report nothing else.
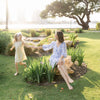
(85, 88)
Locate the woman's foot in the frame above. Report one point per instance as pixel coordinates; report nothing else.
(16, 74)
(70, 87)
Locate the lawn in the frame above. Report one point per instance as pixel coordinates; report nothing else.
(85, 88)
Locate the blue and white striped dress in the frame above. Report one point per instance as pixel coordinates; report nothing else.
(57, 52)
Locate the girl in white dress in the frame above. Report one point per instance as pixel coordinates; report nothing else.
(20, 55)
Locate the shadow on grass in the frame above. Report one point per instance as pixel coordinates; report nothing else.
(90, 80)
(90, 35)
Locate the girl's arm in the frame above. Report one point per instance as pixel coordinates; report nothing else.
(12, 48)
(26, 45)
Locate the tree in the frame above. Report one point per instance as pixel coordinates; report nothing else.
(79, 10)
(6, 14)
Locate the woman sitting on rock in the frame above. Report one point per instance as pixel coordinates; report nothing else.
(57, 58)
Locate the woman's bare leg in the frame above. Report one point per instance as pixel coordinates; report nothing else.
(23, 63)
(64, 76)
(66, 73)
(16, 66)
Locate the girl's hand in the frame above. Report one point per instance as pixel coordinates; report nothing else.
(11, 49)
(34, 47)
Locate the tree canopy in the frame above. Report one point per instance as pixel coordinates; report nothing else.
(79, 10)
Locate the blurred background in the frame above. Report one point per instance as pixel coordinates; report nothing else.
(25, 14)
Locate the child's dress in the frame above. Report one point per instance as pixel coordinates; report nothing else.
(57, 52)
(19, 52)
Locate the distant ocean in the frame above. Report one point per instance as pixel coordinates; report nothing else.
(30, 26)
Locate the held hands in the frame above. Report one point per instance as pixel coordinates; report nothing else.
(11, 49)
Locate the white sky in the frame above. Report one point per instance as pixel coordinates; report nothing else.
(27, 8)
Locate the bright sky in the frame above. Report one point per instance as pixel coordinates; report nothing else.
(27, 9)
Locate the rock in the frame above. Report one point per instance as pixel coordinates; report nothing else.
(68, 43)
(36, 40)
(83, 64)
(66, 38)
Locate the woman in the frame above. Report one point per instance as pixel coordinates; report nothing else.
(57, 58)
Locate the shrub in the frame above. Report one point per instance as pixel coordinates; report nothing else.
(48, 32)
(76, 55)
(28, 51)
(8, 52)
(73, 37)
(98, 26)
(62, 30)
(25, 31)
(34, 33)
(80, 56)
(5, 39)
(79, 31)
(26, 34)
(39, 71)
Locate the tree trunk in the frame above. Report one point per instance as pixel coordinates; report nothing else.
(6, 14)
(85, 26)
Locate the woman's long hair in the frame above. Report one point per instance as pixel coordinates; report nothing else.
(60, 36)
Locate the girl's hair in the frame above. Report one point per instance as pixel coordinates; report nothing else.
(60, 36)
(17, 35)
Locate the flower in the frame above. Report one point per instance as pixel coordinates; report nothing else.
(62, 88)
(41, 62)
(56, 85)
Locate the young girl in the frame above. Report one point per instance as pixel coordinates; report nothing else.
(20, 55)
(59, 53)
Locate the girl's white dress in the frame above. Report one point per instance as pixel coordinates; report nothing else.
(57, 52)
(19, 52)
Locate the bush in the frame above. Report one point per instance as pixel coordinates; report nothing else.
(98, 26)
(8, 52)
(72, 38)
(79, 31)
(39, 71)
(62, 30)
(28, 51)
(80, 56)
(34, 33)
(25, 31)
(5, 39)
(76, 55)
(48, 32)
(26, 34)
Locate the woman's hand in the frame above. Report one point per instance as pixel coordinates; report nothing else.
(60, 62)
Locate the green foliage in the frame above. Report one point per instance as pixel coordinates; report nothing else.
(26, 34)
(48, 32)
(79, 31)
(39, 71)
(34, 33)
(75, 9)
(80, 56)
(28, 51)
(5, 39)
(8, 52)
(98, 26)
(25, 31)
(76, 54)
(73, 37)
(62, 30)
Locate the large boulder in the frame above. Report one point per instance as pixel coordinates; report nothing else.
(68, 43)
